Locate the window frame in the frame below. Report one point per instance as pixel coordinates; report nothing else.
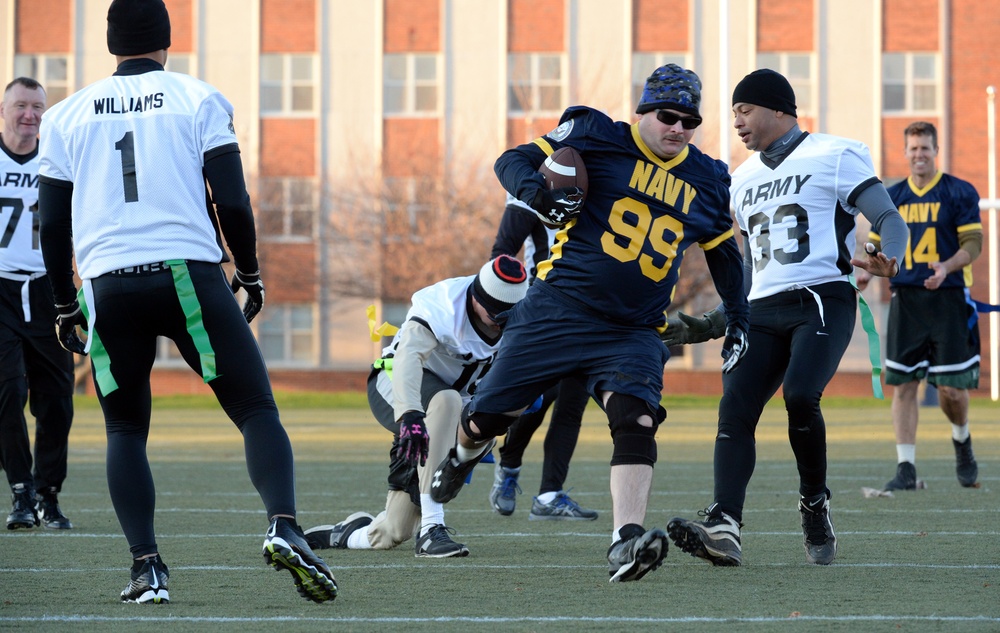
(285, 313)
(535, 84)
(287, 85)
(910, 83)
(287, 207)
(40, 73)
(410, 84)
(802, 108)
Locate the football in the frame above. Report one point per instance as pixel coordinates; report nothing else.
(565, 168)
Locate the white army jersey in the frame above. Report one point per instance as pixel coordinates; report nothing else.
(799, 214)
(19, 249)
(138, 142)
(462, 355)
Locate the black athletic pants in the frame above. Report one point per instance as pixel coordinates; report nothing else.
(34, 370)
(794, 347)
(131, 311)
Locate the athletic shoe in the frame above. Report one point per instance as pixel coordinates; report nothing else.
(636, 553)
(22, 513)
(716, 539)
(149, 584)
(285, 547)
(437, 543)
(562, 508)
(965, 463)
(820, 541)
(905, 479)
(335, 536)
(450, 474)
(503, 495)
(47, 507)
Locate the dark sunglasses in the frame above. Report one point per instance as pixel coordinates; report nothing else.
(669, 118)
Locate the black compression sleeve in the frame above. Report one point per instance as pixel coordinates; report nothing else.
(55, 235)
(224, 171)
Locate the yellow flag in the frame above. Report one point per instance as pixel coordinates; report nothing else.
(378, 332)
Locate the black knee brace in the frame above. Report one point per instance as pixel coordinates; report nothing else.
(490, 425)
(633, 442)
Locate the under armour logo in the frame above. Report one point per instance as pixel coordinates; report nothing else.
(436, 483)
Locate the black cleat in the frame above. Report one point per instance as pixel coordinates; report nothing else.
(22, 515)
(149, 584)
(965, 463)
(335, 536)
(820, 540)
(716, 539)
(905, 479)
(437, 543)
(285, 547)
(449, 476)
(636, 553)
(47, 507)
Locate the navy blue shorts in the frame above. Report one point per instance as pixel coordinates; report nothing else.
(549, 336)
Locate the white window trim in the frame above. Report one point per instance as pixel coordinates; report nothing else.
(534, 83)
(285, 207)
(286, 331)
(909, 83)
(42, 76)
(410, 84)
(287, 83)
(813, 83)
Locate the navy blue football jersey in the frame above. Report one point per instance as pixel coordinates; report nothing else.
(936, 215)
(621, 255)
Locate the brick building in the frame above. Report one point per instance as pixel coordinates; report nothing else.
(331, 94)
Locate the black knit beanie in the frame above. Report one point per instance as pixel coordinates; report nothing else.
(136, 27)
(768, 89)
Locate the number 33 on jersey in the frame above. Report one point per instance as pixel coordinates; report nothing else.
(799, 218)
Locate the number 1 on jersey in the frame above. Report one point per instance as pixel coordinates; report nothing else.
(127, 147)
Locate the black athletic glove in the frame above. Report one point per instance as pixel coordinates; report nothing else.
(557, 206)
(684, 329)
(413, 442)
(69, 316)
(734, 348)
(254, 287)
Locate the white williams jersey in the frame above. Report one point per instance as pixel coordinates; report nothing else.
(19, 249)
(799, 214)
(462, 355)
(142, 138)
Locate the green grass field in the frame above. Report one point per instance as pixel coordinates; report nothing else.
(922, 561)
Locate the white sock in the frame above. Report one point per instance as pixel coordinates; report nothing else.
(358, 539)
(906, 453)
(547, 497)
(468, 454)
(615, 535)
(960, 433)
(431, 513)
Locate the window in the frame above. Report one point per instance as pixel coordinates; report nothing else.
(643, 65)
(798, 69)
(286, 209)
(181, 63)
(410, 84)
(286, 334)
(287, 84)
(536, 84)
(909, 83)
(52, 71)
(407, 196)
